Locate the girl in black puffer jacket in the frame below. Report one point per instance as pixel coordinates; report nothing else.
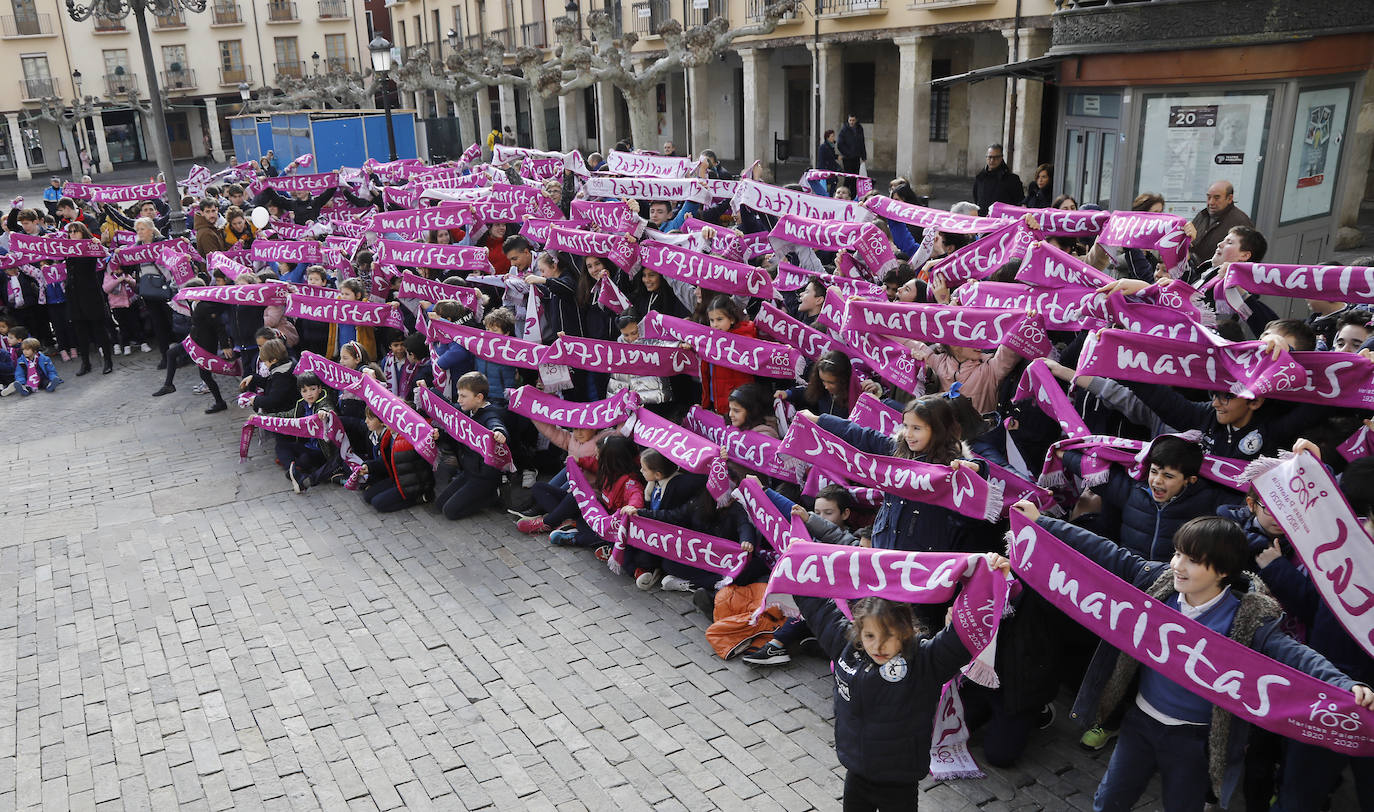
(887, 687)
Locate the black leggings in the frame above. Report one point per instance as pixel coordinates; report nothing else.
(91, 331)
(160, 316)
(384, 496)
(176, 354)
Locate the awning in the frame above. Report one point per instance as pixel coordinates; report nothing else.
(1041, 68)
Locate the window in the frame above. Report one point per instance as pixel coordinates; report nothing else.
(231, 69)
(458, 21)
(286, 50)
(939, 101)
(174, 57)
(37, 80)
(116, 61)
(336, 51)
(371, 32)
(858, 90)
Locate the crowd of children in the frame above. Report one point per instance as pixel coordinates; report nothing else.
(1158, 520)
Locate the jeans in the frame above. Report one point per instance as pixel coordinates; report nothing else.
(558, 505)
(1007, 733)
(1145, 747)
(466, 495)
(384, 496)
(1310, 774)
(293, 450)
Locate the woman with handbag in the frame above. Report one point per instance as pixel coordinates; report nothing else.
(154, 288)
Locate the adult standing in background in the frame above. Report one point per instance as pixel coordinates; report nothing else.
(1038, 194)
(827, 158)
(1214, 221)
(996, 183)
(853, 150)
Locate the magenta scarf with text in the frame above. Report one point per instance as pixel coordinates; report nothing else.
(428, 290)
(1069, 307)
(706, 271)
(464, 429)
(1240, 367)
(740, 353)
(398, 253)
(209, 361)
(980, 328)
(1154, 231)
(1048, 267)
(530, 402)
(389, 408)
(778, 530)
(1352, 284)
(671, 542)
(615, 247)
(772, 322)
(926, 217)
(619, 357)
(780, 202)
(286, 251)
(982, 257)
(755, 451)
(314, 184)
(1057, 222)
(866, 240)
(48, 247)
(262, 295)
(610, 216)
(501, 349)
(343, 311)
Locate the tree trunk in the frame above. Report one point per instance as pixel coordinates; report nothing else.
(69, 144)
(462, 110)
(643, 117)
(539, 133)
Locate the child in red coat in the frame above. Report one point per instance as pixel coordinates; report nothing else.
(717, 382)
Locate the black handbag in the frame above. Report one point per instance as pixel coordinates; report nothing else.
(155, 287)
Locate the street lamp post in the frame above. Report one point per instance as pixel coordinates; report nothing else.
(574, 12)
(452, 37)
(315, 58)
(117, 10)
(381, 65)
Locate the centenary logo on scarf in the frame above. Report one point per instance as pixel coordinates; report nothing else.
(1307, 503)
(55, 247)
(464, 429)
(958, 489)
(731, 351)
(713, 273)
(343, 311)
(286, 251)
(1239, 680)
(981, 328)
(619, 357)
(865, 239)
(598, 414)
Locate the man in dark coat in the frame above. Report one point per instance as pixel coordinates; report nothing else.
(996, 183)
(1219, 217)
(851, 145)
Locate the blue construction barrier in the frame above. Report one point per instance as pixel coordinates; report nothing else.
(335, 138)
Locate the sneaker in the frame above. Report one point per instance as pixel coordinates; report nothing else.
(563, 538)
(297, 484)
(672, 583)
(603, 553)
(527, 479)
(145, 348)
(128, 349)
(532, 524)
(774, 653)
(1047, 715)
(166, 390)
(9, 389)
(1096, 738)
(531, 512)
(118, 349)
(200, 389)
(645, 579)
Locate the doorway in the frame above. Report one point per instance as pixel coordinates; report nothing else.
(798, 109)
(1090, 164)
(179, 135)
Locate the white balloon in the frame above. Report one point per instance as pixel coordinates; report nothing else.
(260, 217)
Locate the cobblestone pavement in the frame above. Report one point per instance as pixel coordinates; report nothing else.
(181, 631)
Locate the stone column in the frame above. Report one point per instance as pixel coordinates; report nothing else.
(441, 105)
(1025, 129)
(757, 135)
(606, 96)
(105, 164)
(21, 155)
(913, 112)
(539, 133)
(509, 118)
(571, 118)
(699, 90)
(212, 120)
(483, 102)
(833, 114)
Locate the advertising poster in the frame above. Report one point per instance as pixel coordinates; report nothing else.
(1190, 141)
(1315, 153)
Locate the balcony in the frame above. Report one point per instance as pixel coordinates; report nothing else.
(756, 8)
(504, 35)
(651, 15)
(231, 77)
(1119, 26)
(333, 9)
(532, 35)
(280, 11)
(849, 8)
(473, 42)
(293, 69)
(118, 84)
(173, 20)
(714, 9)
(26, 25)
(33, 89)
(174, 80)
(225, 14)
(104, 26)
(340, 64)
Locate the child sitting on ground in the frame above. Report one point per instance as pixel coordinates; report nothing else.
(304, 457)
(398, 476)
(34, 371)
(475, 485)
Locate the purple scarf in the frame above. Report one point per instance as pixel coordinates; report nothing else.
(529, 200)
(464, 429)
(982, 257)
(286, 251)
(209, 361)
(755, 451)
(55, 247)
(598, 414)
(347, 228)
(612, 217)
(1158, 232)
(390, 409)
(605, 524)
(1241, 368)
(175, 259)
(778, 530)
(866, 240)
(1064, 308)
(618, 357)
(314, 184)
(692, 189)
(793, 277)
(862, 183)
(615, 247)
(704, 270)
(263, 295)
(609, 296)
(324, 426)
(1335, 283)
(725, 242)
(419, 222)
(500, 349)
(1056, 222)
(690, 451)
(289, 231)
(924, 217)
(97, 193)
(959, 490)
(721, 556)
(537, 231)
(1359, 444)
(427, 290)
(980, 328)
(771, 322)
(780, 202)
(1047, 267)
(343, 311)
(653, 166)
(396, 254)
(1307, 503)
(1104, 450)
(740, 353)
(217, 261)
(1238, 679)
